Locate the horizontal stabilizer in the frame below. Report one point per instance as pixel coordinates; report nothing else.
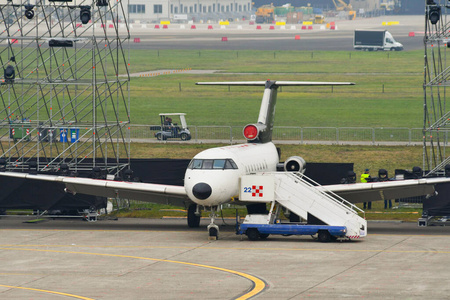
(277, 83)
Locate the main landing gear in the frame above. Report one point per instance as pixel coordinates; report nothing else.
(193, 216)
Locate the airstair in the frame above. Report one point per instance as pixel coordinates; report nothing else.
(301, 195)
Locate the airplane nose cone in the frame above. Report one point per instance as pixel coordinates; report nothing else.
(202, 190)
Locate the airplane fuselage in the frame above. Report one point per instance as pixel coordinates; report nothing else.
(213, 175)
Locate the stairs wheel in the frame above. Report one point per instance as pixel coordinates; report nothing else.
(324, 236)
(252, 234)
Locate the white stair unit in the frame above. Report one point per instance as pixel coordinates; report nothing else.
(300, 195)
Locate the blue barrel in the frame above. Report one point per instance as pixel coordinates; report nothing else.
(74, 135)
(63, 135)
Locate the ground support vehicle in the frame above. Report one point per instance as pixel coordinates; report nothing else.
(325, 213)
(169, 130)
(265, 14)
(257, 227)
(374, 40)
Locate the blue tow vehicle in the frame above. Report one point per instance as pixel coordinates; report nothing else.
(259, 227)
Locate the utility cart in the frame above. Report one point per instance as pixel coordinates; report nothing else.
(169, 129)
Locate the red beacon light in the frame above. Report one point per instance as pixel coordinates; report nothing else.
(251, 132)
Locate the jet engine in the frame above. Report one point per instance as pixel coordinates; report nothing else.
(251, 132)
(295, 164)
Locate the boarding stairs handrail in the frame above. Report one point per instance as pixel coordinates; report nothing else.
(327, 193)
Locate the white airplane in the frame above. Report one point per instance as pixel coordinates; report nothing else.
(212, 177)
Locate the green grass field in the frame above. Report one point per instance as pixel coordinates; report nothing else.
(388, 90)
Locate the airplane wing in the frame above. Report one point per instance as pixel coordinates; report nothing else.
(155, 193)
(375, 191)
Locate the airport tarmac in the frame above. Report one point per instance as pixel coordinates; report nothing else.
(164, 259)
(280, 38)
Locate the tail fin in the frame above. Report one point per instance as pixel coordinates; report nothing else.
(262, 131)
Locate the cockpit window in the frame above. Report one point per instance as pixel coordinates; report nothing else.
(217, 164)
(207, 164)
(196, 164)
(229, 164)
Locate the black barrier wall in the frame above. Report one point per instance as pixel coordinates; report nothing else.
(438, 205)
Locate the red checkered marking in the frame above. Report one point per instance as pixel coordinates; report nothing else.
(257, 191)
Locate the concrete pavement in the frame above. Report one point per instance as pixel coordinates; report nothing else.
(163, 259)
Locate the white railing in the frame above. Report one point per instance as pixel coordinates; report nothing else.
(300, 135)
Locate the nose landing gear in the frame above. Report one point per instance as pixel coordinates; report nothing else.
(213, 229)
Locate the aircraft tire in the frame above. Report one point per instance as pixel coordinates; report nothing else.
(324, 236)
(192, 219)
(213, 233)
(252, 234)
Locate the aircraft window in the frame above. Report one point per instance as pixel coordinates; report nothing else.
(207, 164)
(212, 164)
(229, 164)
(196, 164)
(219, 164)
(233, 164)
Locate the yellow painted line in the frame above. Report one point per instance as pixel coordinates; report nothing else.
(258, 284)
(45, 291)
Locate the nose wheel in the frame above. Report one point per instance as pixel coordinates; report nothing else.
(213, 229)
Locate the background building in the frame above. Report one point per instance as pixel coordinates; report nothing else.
(154, 11)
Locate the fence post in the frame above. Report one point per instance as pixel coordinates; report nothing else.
(337, 135)
(196, 134)
(373, 136)
(410, 136)
(301, 135)
(231, 135)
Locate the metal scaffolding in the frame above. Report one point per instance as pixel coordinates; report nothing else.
(436, 119)
(65, 87)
